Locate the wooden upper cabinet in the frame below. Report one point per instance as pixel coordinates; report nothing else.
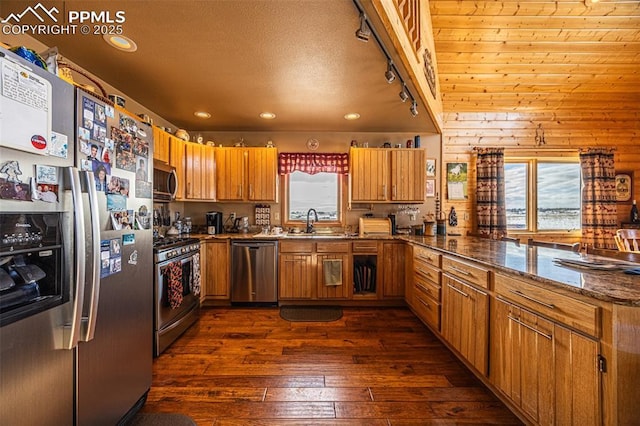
(230, 170)
(246, 174)
(369, 174)
(160, 145)
(408, 174)
(193, 160)
(200, 172)
(262, 174)
(209, 173)
(387, 175)
(177, 151)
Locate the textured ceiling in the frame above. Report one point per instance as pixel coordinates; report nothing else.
(235, 59)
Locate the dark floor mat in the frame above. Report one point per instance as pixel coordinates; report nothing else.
(311, 313)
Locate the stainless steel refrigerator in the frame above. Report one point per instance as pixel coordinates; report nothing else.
(80, 351)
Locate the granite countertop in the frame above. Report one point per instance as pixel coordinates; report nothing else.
(537, 263)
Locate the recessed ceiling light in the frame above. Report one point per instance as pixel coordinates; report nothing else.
(202, 114)
(352, 116)
(267, 115)
(121, 42)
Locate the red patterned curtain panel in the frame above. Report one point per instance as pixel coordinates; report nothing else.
(490, 193)
(599, 205)
(289, 162)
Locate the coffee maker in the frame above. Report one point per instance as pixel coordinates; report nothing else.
(214, 223)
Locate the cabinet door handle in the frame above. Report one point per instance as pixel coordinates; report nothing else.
(250, 191)
(427, 258)
(423, 272)
(462, 271)
(535, 330)
(524, 296)
(395, 191)
(425, 304)
(457, 291)
(384, 192)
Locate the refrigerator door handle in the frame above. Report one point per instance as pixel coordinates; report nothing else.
(71, 331)
(93, 290)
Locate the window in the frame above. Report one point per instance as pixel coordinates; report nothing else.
(320, 191)
(543, 194)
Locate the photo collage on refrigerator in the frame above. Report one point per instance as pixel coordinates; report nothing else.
(111, 150)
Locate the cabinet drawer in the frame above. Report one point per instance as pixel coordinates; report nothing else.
(426, 287)
(468, 272)
(426, 255)
(428, 272)
(296, 247)
(326, 247)
(365, 247)
(427, 310)
(572, 312)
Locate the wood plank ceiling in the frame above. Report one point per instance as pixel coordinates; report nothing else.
(528, 56)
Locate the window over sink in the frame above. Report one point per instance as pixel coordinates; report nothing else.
(320, 191)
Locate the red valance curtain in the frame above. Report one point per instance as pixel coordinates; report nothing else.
(289, 162)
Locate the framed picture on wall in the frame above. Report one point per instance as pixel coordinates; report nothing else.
(457, 181)
(431, 167)
(430, 191)
(624, 186)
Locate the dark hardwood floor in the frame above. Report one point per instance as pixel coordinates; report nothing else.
(374, 366)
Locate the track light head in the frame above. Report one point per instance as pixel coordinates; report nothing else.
(403, 93)
(389, 74)
(363, 33)
(414, 108)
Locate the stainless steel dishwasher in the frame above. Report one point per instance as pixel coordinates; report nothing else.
(254, 275)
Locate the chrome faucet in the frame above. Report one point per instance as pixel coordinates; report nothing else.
(309, 223)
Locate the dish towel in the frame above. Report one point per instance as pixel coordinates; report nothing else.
(332, 271)
(195, 282)
(174, 290)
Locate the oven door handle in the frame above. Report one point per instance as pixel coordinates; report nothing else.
(93, 290)
(71, 330)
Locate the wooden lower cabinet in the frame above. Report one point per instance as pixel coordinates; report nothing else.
(326, 286)
(393, 269)
(465, 321)
(296, 278)
(215, 267)
(548, 371)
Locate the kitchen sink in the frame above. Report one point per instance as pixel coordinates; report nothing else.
(316, 236)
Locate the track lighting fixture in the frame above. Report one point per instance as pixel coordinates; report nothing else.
(363, 32)
(389, 74)
(403, 93)
(414, 108)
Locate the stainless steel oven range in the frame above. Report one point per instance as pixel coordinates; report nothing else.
(176, 289)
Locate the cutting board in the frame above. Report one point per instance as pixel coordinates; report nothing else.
(369, 226)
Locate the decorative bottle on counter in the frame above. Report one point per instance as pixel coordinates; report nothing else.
(634, 213)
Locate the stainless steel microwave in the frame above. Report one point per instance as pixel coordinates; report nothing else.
(165, 183)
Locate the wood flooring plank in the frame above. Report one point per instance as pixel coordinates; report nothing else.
(386, 381)
(212, 393)
(318, 394)
(432, 394)
(398, 410)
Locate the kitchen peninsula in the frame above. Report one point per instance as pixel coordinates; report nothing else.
(555, 343)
